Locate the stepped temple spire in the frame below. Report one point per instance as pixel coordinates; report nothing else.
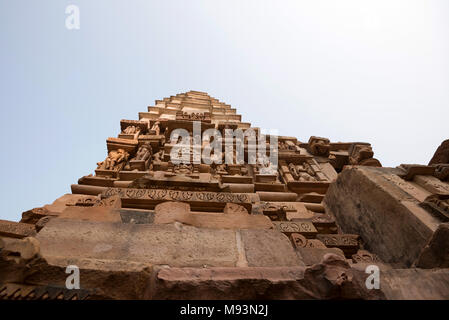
(191, 202)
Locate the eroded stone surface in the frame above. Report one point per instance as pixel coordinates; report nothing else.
(268, 248)
(436, 253)
(234, 217)
(388, 219)
(174, 245)
(16, 229)
(311, 256)
(441, 154)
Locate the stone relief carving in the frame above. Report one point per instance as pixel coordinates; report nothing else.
(361, 154)
(319, 146)
(163, 194)
(131, 130)
(114, 159)
(183, 168)
(302, 172)
(364, 256)
(144, 153)
(156, 128)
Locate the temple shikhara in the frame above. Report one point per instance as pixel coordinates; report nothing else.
(327, 222)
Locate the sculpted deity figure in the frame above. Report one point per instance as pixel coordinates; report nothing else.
(286, 145)
(266, 167)
(302, 172)
(115, 157)
(131, 130)
(144, 153)
(156, 127)
(293, 172)
(308, 168)
(197, 116)
(283, 145)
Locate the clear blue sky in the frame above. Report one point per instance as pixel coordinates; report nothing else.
(375, 71)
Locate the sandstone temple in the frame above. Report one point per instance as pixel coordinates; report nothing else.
(328, 222)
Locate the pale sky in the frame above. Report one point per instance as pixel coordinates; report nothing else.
(374, 71)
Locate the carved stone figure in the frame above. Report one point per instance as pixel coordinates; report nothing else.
(264, 166)
(221, 169)
(361, 154)
(131, 130)
(286, 146)
(144, 153)
(156, 128)
(302, 172)
(115, 158)
(319, 146)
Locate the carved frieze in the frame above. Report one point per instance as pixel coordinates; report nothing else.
(199, 200)
(324, 224)
(193, 116)
(363, 256)
(305, 228)
(299, 241)
(349, 243)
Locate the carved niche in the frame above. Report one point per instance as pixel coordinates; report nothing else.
(305, 228)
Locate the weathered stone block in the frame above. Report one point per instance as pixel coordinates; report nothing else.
(415, 284)
(311, 256)
(436, 253)
(229, 283)
(237, 218)
(106, 214)
(268, 248)
(173, 245)
(18, 230)
(136, 216)
(373, 203)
